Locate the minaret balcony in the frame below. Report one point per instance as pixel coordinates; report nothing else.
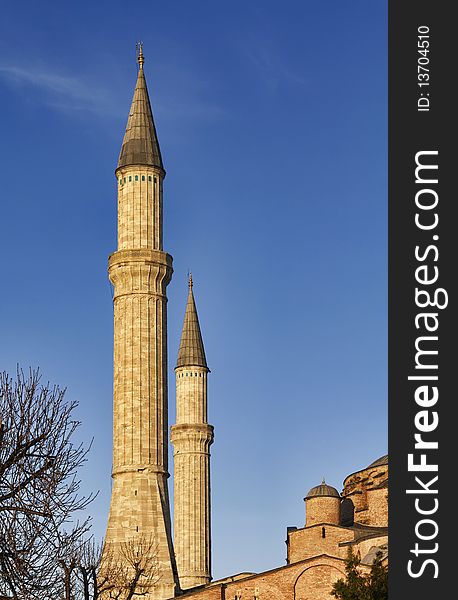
(140, 272)
(191, 433)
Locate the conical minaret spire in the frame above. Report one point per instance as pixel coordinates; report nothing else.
(140, 145)
(191, 351)
(192, 437)
(140, 271)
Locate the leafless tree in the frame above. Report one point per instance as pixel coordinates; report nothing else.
(39, 487)
(122, 572)
(132, 567)
(87, 569)
(94, 582)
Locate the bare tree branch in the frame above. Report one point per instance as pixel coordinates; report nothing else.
(130, 568)
(39, 489)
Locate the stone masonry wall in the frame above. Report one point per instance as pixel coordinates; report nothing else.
(368, 490)
(322, 509)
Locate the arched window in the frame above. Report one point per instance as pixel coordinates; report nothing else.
(347, 512)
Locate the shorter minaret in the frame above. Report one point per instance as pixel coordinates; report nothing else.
(192, 437)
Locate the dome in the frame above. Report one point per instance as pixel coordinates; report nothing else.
(322, 490)
(383, 460)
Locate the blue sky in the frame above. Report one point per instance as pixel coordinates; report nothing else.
(272, 120)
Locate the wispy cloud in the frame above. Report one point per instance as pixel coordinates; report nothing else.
(179, 99)
(269, 65)
(59, 91)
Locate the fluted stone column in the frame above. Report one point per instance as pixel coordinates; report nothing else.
(192, 437)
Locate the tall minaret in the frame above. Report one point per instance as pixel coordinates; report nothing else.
(192, 437)
(140, 271)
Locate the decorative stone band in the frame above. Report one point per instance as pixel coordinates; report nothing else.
(142, 271)
(186, 432)
(140, 469)
(128, 170)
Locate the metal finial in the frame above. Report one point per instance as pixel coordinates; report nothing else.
(323, 482)
(190, 280)
(140, 57)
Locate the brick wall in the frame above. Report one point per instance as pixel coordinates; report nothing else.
(305, 580)
(315, 583)
(308, 542)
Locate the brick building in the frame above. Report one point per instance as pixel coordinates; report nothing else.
(315, 553)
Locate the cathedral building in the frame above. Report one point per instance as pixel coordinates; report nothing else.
(140, 271)
(316, 552)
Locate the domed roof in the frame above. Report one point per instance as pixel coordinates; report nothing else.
(383, 460)
(322, 490)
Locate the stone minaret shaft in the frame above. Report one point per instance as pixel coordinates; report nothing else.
(191, 438)
(140, 271)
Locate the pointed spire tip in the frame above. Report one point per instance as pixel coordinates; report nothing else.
(140, 57)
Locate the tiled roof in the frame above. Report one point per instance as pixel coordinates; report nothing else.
(323, 490)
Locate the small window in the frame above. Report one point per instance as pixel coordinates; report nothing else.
(130, 177)
(124, 180)
(143, 178)
(323, 532)
(136, 177)
(149, 177)
(155, 180)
